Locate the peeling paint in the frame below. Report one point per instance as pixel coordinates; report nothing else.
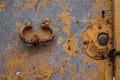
(66, 20)
(64, 58)
(71, 46)
(60, 40)
(20, 61)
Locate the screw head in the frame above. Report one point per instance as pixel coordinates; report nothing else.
(103, 39)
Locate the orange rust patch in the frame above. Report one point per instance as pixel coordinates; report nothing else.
(71, 46)
(14, 14)
(60, 40)
(103, 18)
(98, 3)
(62, 70)
(72, 69)
(29, 5)
(2, 5)
(28, 68)
(84, 21)
(45, 2)
(77, 78)
(84, 59)
(18, 3)
(67, 6)
(66, 20)
(81, 71)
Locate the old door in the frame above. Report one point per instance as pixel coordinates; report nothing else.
(78, 51)
(117, 38)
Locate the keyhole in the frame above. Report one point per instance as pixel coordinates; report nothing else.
(103, 14)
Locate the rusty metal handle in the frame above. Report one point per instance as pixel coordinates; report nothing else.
(36, 40)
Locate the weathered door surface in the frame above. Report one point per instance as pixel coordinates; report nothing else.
(79, 50)
(117, 38)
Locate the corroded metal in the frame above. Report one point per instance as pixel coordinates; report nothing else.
(64, 58)
(93, 37)
(113, 53)
(103, 39)
(36, 39)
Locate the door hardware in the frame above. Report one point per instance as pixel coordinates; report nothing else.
(97, 41)
(36, 40)
(103, 39)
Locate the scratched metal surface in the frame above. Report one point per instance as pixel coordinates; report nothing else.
(9, 34)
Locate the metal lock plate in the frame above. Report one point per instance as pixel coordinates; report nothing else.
(91, 42)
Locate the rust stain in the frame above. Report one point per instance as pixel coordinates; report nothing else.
(62, 70)
(67, 7)
(77, 78)
(72, 69)
(14, 14)
(27, 68)
(36, 39)
(29, 5)
(45, 2)
(66, 20)
(109, 4)
(71, 46)
(103, 18)
(97, 4)
(84, 21)
(82, 71)
(60, 40)
(18, 3)
(84, 59)
(90, 74)
(2, 5)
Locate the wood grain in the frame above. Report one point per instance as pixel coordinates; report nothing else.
(117, 36)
